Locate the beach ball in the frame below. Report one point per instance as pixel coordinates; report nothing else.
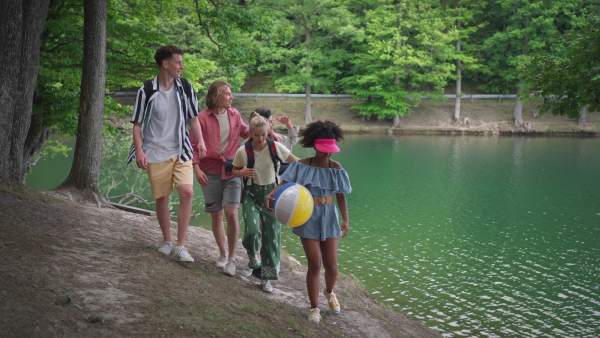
(293, 204)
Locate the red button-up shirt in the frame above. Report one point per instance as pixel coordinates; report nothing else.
(214, 161)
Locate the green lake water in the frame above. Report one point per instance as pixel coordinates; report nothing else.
(475, 236)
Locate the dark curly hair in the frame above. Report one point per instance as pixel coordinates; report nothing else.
(320, 129)
(266, 113)
(166, 53)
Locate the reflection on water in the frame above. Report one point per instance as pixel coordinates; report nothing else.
(474, 236)
(477, 236)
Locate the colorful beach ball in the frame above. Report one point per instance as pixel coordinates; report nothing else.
(293, 204)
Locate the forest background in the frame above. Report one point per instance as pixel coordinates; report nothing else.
(388, 54)
(63, 60)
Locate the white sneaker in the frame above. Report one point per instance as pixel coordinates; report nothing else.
(166, 248)
(222, 261)
(314, 315)
(266, 285)
(183, 255)
(334, 304)
(247, 271)
(229, 269)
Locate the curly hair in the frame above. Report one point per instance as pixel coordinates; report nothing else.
(214, 93)
(266, 113)
(318, 129)
(166, 53)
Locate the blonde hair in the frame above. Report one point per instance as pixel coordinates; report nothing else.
(256, 121)
(214, 93)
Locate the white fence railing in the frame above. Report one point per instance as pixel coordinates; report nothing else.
(338, 96)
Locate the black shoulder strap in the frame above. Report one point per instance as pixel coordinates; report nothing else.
(187, 86)
(148, 90)
(250, 154)
(272, 151)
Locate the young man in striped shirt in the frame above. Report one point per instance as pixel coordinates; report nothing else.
(163, 109)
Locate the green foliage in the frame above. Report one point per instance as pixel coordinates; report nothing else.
(520, 28)
(124, 184)
(312, 47)
(408, 49)
(570, 82)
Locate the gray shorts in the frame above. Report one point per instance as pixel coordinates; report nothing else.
(220, 193)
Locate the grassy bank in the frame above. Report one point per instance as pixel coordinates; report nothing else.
(484, 117)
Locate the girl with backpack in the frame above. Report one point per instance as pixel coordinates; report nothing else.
(256, 162)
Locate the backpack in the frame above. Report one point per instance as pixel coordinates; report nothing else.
(250, 153)
(276, 160)
(149, 89)
(273, 151)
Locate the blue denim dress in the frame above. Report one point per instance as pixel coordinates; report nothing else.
(324, 222)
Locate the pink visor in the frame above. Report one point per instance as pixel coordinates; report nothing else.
(326, 145)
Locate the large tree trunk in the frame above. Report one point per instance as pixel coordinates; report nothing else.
(308, 110)
(22, 24)
(85, 171)
(458, 81)
(582, 115)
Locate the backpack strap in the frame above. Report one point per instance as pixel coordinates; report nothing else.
(250, 159)
(187, 86)
(148, 90)
(274, 156)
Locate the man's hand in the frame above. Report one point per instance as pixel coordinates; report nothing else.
(201, 149)
(141, 160)
(200, 176)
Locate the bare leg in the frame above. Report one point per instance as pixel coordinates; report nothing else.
(218, 231)
(164, 219)
(186, 192)
(233, 228)
(329, 249)
(312, 250)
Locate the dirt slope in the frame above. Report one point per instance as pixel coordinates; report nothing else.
(71, 269)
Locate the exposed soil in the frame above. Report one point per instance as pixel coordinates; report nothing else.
(71, 268)
(480, 117)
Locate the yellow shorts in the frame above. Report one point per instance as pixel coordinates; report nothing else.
(163, 175)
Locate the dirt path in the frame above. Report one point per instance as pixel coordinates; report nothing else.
(69, 268)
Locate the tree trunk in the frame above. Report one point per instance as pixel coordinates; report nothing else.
(36, 138)
(20, 32)
(396, 122)
(308, 110)
(85, 171)
(458, 80)
(518, 110)
(582, 115)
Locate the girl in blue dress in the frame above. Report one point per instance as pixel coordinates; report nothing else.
(324, 178)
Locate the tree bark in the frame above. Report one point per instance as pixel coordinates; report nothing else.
(85, 170)
(458, 80)
(582, 115)
(20, 35)
(518, 110)
(396, 122)
(308, 110)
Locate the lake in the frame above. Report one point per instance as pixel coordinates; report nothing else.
(476, 236)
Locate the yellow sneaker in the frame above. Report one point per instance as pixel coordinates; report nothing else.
(334, 304)
(314, 315)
